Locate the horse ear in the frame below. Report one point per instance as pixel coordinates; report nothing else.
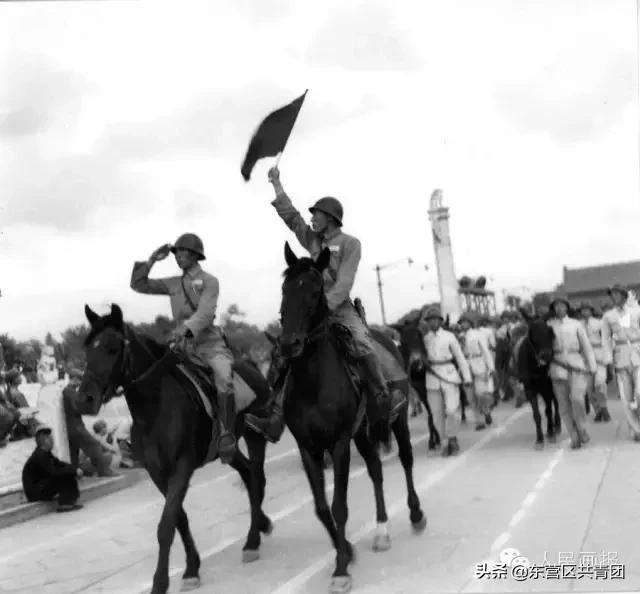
(323, 259)
(92, 316)
(290, 258)
(271, 338)
(116, 315)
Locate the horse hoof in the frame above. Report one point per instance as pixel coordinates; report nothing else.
(420, 525)
(539, 445)
(381, 543)
(189, 584)
(249, 556)
(551, 438)
(268, 530)
(340, 584)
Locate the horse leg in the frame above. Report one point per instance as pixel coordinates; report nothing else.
(257, 446)
(405, 450)
(341, 454)
(250, 550)
(176, 490)
(191, 575)
(548, 411)
(463, 404)
(382, 541)
(532, 397)
(434, 436)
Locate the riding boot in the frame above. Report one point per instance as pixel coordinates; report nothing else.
(227, 445)
(271, 427)
(390, 403)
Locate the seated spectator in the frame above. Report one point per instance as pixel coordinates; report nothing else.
(122, 435)
(44, 476)
(109, 445)
(16, 397)
(79, 437)
(26, 421)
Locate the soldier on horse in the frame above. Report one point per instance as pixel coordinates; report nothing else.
(325, 231)
(194, 299)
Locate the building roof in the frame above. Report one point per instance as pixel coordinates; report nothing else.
(600, 277)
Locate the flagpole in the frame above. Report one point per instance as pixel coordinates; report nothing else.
(304, 96)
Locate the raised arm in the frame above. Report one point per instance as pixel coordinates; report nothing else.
(140, 281)
(289, 214)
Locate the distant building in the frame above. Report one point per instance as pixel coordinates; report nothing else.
(591, 283)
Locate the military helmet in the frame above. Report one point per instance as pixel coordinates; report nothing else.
(586, 305)
(620, 289)
(432, 312)
(329, 206)
(560, 298)
(191, 242)
(469, 316)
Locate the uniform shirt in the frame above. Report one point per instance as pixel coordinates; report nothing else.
(40, 466)
(621, 327)
(345, 251)
(201, 287)
(571, 347)
(442, 348)
(489, 335)
(477, 353)
(600, 343)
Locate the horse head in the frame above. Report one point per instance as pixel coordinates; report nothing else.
(540, 335)
(105, 351)
(411, 345)
(304, 305)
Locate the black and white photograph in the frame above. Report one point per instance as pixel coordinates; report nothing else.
(308, 297)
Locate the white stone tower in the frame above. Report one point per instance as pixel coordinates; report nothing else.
(439, 217)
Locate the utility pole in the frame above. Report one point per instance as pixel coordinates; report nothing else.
(378, 268)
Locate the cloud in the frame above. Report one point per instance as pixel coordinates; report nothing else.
(37, 95)
(574, 100)
(191, 205)
(364, 38)
(262, 10)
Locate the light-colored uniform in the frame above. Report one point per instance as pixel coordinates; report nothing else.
(597, 388)
(481, 364)
(202, 289)
(621, 327)
(573, 361)
(339, 277)
(443, 387)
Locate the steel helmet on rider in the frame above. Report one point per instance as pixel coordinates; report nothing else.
(191, 242)
(329, 206)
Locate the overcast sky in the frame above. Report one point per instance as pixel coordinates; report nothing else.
(124, 124)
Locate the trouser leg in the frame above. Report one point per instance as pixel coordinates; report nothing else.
(578, 383)
(221, 363)
(561, 390)
(436, 403)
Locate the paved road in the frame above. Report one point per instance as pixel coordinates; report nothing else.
(499, 494)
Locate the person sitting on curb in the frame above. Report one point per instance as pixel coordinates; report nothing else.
(79, 437)
(109, 448)
(44, 476)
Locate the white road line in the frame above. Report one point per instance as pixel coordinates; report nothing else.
(130, 512)
(475, 585)
(283, 513)
(298, 582)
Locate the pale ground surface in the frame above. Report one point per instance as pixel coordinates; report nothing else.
(499, 493)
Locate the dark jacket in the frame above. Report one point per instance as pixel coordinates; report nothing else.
(40, 466)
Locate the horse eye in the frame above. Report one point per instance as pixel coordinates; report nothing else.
(96, 344)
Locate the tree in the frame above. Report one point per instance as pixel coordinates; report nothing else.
(73, 345)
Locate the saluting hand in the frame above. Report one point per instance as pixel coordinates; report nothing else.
(161, 253)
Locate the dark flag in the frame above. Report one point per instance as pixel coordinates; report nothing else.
(271, 136)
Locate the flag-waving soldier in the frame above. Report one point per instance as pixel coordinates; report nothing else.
(194, 299)
(325, 231)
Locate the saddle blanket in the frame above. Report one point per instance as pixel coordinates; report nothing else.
(244, 395)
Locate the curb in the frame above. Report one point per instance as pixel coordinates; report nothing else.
(98, 487)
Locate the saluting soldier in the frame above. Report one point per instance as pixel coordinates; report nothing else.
(194, 300)
(443, 378)
(326, 231)
(597, 389)
(478, 355)
(621, 327)
(573, 363)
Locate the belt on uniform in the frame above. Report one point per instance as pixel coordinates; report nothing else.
(443, 362)
(570, 367)
(432, 372)
(621, 342)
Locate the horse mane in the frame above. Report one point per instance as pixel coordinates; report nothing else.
(157, 349)
(388, 344)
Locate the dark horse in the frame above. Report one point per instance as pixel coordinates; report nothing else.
(321, 410)
(533, 354)
(413, 352)
(171, 431)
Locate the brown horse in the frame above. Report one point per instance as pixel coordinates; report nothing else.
(171, 432)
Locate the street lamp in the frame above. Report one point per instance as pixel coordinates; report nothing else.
(380, 267)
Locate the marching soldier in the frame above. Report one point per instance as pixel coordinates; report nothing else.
(573, 363)
(621, 328)
(442, 378)
(194, 299)
(597, 389)
(325, 231)
(477, 354)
